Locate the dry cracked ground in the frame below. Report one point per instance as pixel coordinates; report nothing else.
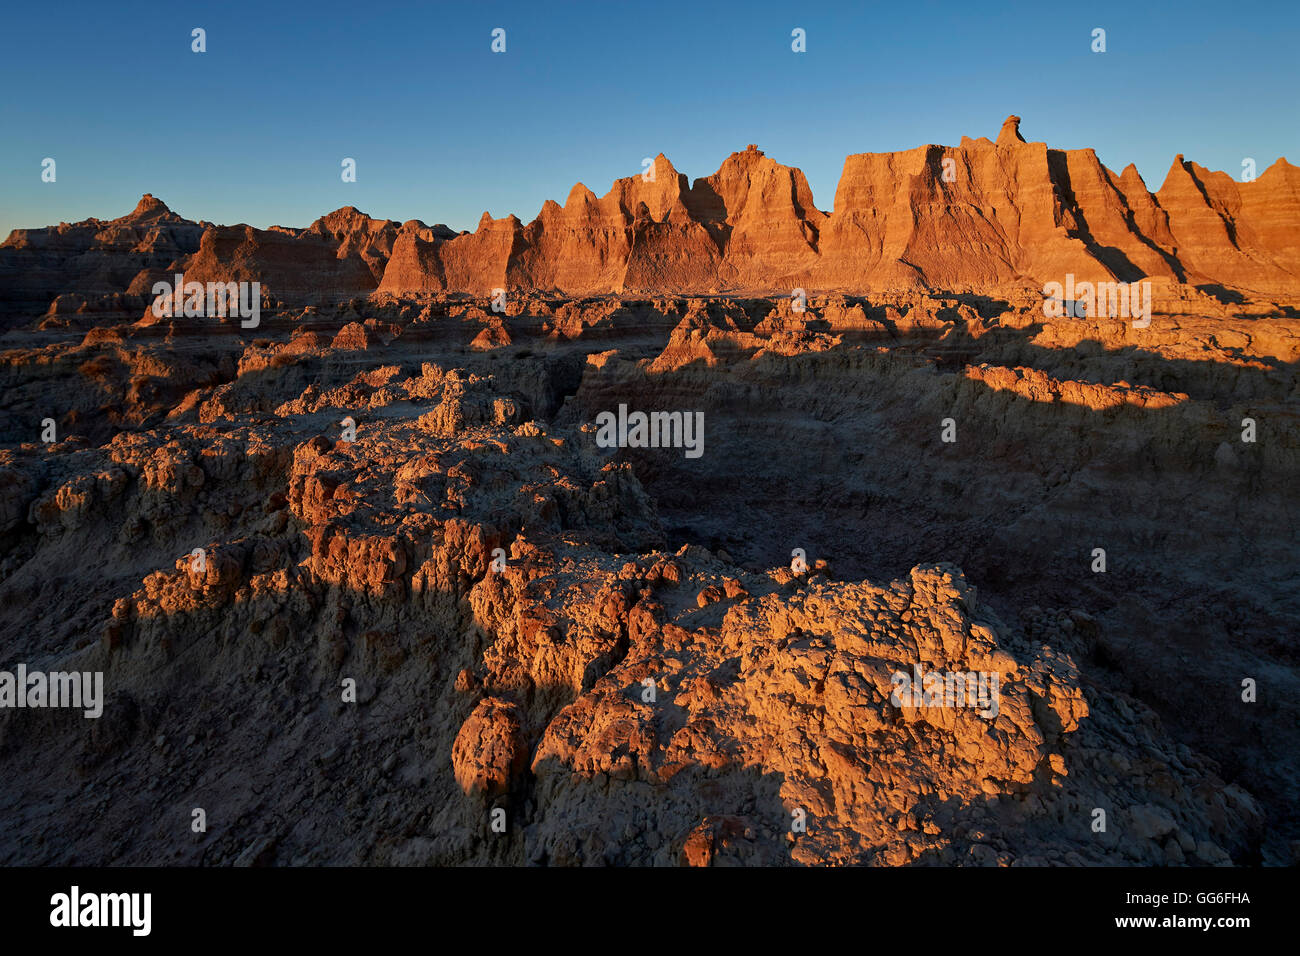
(639, 675)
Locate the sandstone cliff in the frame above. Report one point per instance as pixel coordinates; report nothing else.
(978, 216)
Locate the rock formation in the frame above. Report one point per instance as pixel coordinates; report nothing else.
(67, 268)
(365, 584)
(974, 217)
(977, 217)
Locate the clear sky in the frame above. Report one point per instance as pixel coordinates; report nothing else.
(442, 128)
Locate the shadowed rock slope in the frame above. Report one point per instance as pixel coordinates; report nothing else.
(611, 646)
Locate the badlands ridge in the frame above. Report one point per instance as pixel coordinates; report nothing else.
(977, 217)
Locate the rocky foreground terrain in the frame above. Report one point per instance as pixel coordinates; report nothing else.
(398, 489)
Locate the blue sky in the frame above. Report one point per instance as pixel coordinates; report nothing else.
(441, 128)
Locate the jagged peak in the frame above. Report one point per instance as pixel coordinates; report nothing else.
(1131, 177)
(345, 219)
(751, 155)
(149, 207)
(664, 169)
(1280, 168)
(1010, 132)
(345, 212)
(487, 222)
(1178, 168)
(579, 194)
